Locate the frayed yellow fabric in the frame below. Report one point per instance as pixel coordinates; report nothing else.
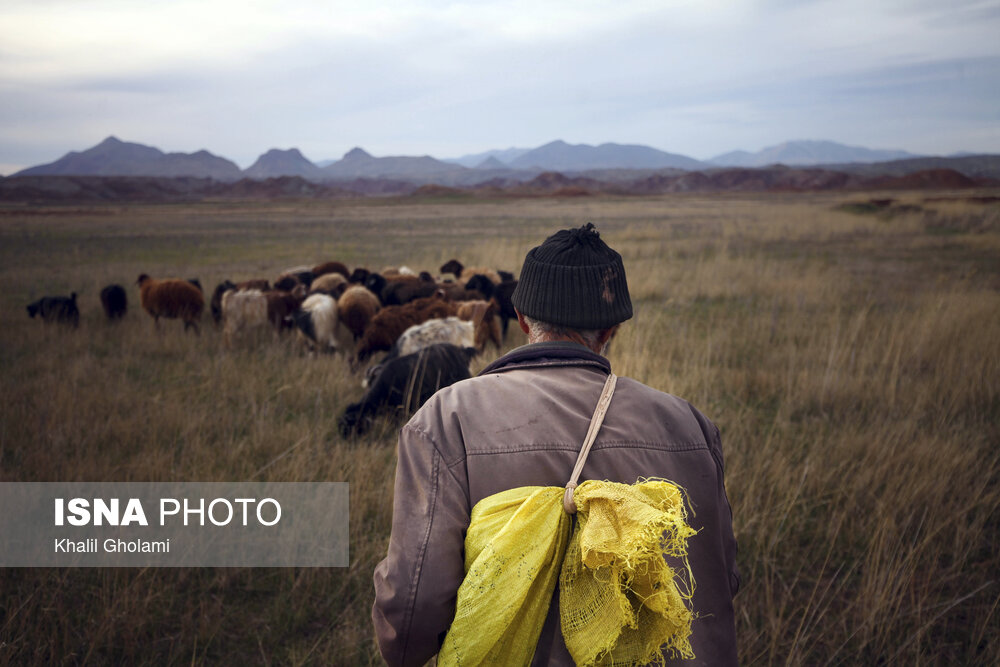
(621, 602)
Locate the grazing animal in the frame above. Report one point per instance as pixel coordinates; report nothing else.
(483, 316)
(215, 304)
(464, 273)
(405, 383)
(243, 312)
(356, 307)
(281, 304)
(317, 322)
(358, 276)
(452, 330)
(61, 309)
(376, 282)
(330, 267)
(114, 300)
(502, 295)
(387, 325)
(171, 298)
(289, 278)
(332, 284)
(404, 289)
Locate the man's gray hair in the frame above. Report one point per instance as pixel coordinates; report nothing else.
(539, 330)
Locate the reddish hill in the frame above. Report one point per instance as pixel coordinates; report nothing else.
(925, 180)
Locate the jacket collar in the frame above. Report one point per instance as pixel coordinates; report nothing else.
(552, 353)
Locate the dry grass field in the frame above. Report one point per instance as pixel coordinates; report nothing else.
(849, 354)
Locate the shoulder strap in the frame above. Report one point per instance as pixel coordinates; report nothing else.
(595, 425)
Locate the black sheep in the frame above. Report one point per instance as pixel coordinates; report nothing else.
(406, 383)
(60, 309)
(114, 300)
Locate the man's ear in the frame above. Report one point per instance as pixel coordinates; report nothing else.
(521, 322)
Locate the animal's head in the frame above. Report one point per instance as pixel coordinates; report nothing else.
(142, 278)
(481, 284)
(452, 266)
(33, 308)
(353, 423)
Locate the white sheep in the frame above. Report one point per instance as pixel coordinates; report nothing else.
(243, 311)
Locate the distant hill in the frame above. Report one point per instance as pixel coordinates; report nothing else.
(356, 163)
(504, 156)
(560, 156)
(275, 163)
(491, 163)
(113, 157)
(806, 153)
(973, 166)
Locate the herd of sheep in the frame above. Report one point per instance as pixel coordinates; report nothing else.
(430, 327)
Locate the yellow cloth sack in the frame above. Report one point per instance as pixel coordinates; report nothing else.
(620, 599)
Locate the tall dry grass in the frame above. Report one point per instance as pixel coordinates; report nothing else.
(851, 361)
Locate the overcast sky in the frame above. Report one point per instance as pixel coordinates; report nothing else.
(420, 77)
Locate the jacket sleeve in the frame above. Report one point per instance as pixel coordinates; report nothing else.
(417, 583)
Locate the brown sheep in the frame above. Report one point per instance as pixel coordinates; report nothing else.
(390, 322)
(171, 298)
(332, 284)
(331, 267)
(281, 304)
(465, 273)
(483, 314)
(403, 289)
(356, 307)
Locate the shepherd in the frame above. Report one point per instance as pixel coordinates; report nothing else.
(500, 553)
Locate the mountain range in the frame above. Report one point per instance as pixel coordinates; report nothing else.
(113, 157)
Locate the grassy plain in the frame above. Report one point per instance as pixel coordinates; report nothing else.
(851, 358)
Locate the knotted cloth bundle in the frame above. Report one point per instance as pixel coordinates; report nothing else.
(621, 602)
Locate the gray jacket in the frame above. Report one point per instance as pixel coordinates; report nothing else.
(521, 422)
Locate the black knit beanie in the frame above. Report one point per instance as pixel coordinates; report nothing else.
(574, 280)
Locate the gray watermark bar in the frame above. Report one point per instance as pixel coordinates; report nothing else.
(174, 524)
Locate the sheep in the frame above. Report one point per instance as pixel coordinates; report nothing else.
(330, 267)
(483, 316)
(464, 273)
(356, 308)
(397, 272)
(501, 293)
(452, 330)
(404, 289)
(60, 309)
(386, 326)
(171, 298)
(114, 300)
(358, 276)
(375, 282)
(332, 284)
(477, 289)
(406, 382)
(215, 304)
(281, 304)
(243, 311)
(288, 279)
(317, 323)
